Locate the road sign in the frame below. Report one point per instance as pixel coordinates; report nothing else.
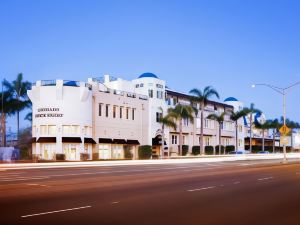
(284, 140)
(284, 130)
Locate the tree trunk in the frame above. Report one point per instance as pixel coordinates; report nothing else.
(163, 141)
(263, 141)
(250, 145)
(292, 146)
(18, 125)
(274, 141)
(3, 129)
(202, 130)
(220, 138)
(180, 137)
(236, 135)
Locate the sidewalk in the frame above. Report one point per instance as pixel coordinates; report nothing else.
(182, 160)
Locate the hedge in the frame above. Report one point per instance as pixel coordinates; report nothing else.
(185, 149)
(196, 150)
(209, 150)
(60, 157)
(127, 153)
(145, 151)
(222, 149)
(229, 148)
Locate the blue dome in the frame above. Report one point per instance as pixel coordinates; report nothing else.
(148, 75)
(231, 99)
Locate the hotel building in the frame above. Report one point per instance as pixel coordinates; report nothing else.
(108, 118)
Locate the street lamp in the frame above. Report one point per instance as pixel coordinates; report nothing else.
(283, 92)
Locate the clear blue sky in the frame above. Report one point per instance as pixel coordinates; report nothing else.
(227, 44)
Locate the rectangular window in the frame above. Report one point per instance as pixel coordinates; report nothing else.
(185, 122)
(100, 109)
(66, 129)
(207, 141)
(121, 112)
(106, 110)
(114, 111)
(141, 85)
(159, 94)
(52, 130)
(158, 116)
(75, 130)
(127, 113)
(132, 114)
(174, 139)
(43, 129)
(137, 85)
(150, 93)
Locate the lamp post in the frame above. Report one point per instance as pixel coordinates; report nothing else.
(283, 92)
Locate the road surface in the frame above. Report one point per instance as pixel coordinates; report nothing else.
(220, 193)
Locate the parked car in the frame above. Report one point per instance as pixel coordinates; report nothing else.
(263, 152)
(239, 152)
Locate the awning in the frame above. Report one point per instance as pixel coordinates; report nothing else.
(33, 139)
(46, 140)
(105, 140)
(119, 141)
(133, 142)
(71, 140)
(89, 141)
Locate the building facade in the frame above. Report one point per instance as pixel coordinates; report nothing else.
(108, 118)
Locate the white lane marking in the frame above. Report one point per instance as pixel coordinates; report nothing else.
(265, 178)
(113, 203)
(56, 211)
(236, 182)
(201, 189)
(22, 179)
(41, 185)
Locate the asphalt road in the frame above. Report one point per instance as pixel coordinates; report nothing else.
(254, 192)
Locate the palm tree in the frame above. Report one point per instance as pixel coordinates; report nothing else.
(263, 126)
(202, 98)
(235, 116)
(251, 111)
(166, 121)
(220, 120)
(179, 113)
(7, 109)
(19, 89)
(292, 125)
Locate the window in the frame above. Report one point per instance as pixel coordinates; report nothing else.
(159, 86)
(158, 116)
(127, 113)
(174, 139)
(106, 110)
(43, 129)
(114, 111)
(132, 114)
(52, 130)
(150, 93)
(75, 130)
(207, 141)
(137, 85)
(184, 140)
(100, 109)
(185, 122)
(175, 101)
(240, 128)
(66, 129)
(159, 94)
(141, 85)
(240, 142)
(206, 123)
(121, 112)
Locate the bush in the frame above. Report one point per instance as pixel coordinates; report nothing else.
(127, 152)
(222, 149)
(60, 157)
(84, 156)
(209, 150)
(185, 149)
(196, 150)
(229, 148)
(145, 151)
(95, 156)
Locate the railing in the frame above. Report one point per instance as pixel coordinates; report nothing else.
(48, 82)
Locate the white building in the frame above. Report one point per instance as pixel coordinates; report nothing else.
(108, 118)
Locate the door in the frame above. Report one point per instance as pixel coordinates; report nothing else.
(104, 152)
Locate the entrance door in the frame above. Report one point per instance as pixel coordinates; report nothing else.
(104, 152)
(117, 152)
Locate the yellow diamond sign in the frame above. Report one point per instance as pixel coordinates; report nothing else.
(284, 130)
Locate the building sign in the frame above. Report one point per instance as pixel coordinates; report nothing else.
(48, 112)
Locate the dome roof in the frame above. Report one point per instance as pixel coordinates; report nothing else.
(148, 75)
(231, 99)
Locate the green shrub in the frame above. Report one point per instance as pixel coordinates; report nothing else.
(222, 149)
(209, 150)
(60, 157)
(127, 152)
(84, 156)
(196, 150)
(229, 148)
(145, 151)
(185, 149)
(95, 156)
